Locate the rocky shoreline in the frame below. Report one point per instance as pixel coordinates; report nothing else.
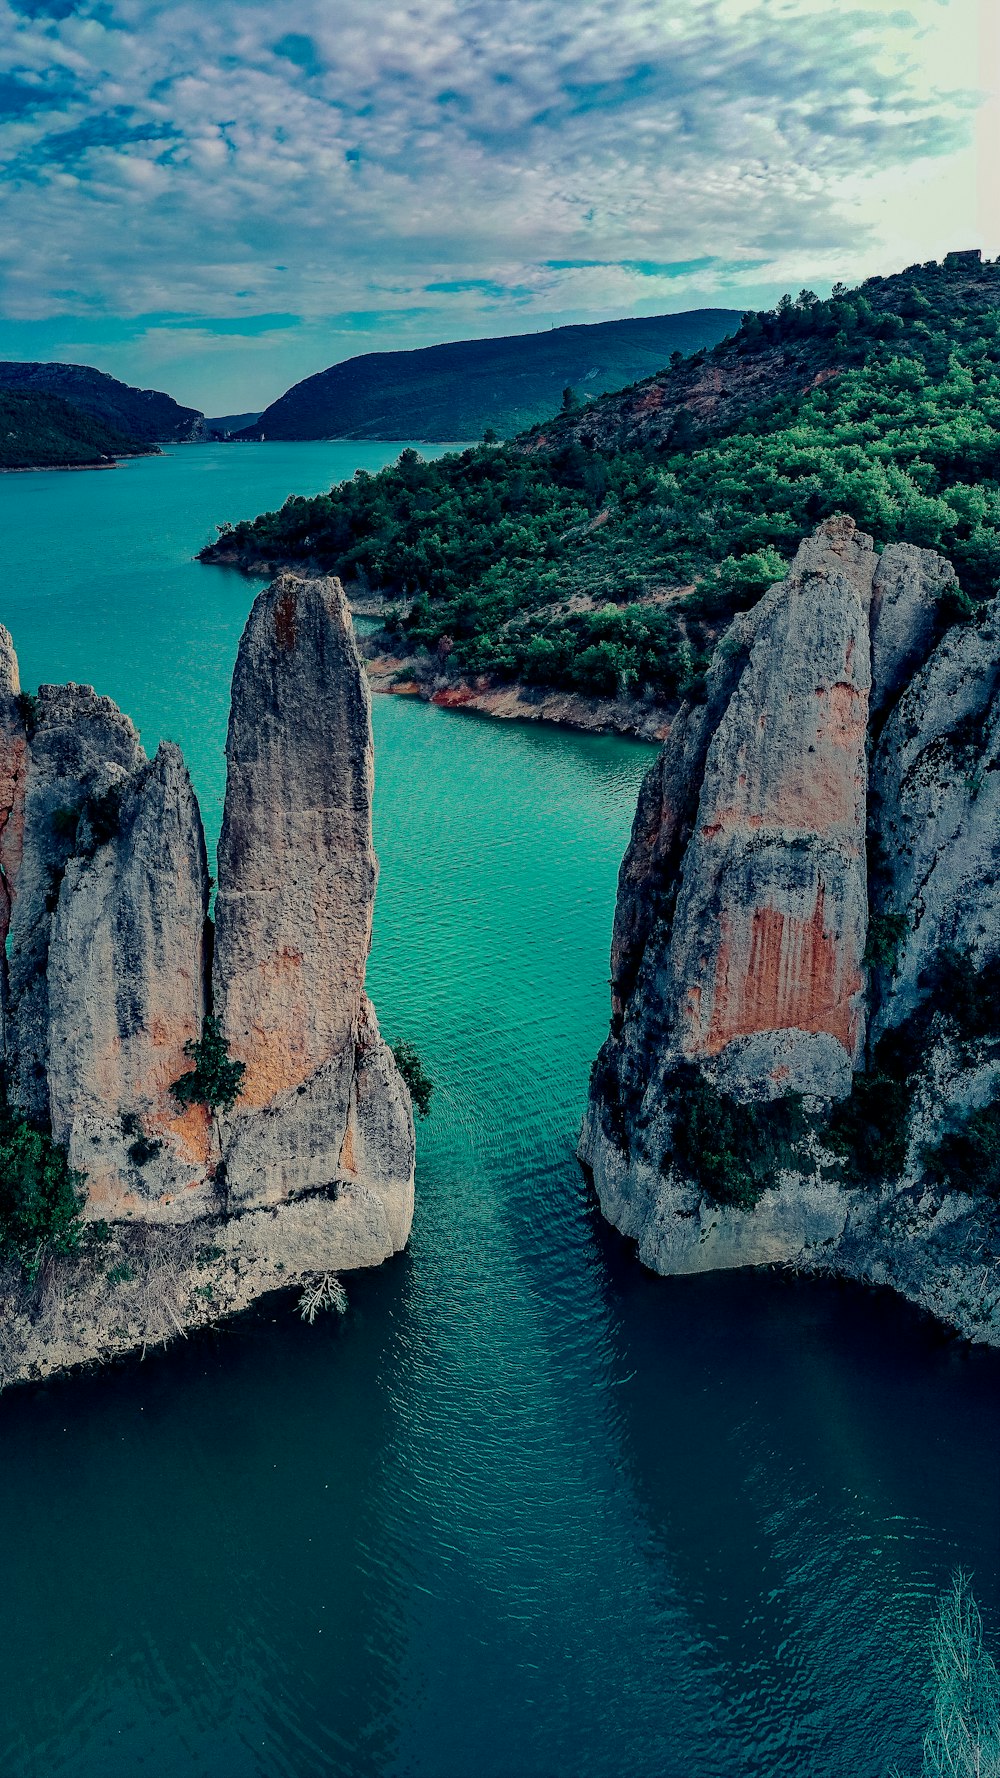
(508, 700)
(402, 676)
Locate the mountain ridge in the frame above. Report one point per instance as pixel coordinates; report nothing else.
(146, 416)
(459, 388)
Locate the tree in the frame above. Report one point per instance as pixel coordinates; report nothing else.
(417, 1079)
(570, 400)
(215, 1080)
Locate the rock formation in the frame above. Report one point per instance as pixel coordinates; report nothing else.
(126, 986)
(748, 993)
(109, 976)
(297, 875)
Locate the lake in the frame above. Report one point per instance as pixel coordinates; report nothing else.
(526, 1509)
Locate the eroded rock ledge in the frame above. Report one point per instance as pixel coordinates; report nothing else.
(807, 911)
(112, 970)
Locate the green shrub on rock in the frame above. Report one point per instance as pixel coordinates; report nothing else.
(733, 1151)
(215, 1080)
(41, 1196)
(415, 1075)
(967, 1156)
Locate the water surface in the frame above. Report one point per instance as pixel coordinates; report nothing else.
(526, 1510)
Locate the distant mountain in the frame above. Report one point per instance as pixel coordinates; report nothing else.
(43, 432)
(224, 425)
(457, 391)
(145, 415)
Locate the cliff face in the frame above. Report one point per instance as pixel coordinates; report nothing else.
(81, 747)
(126, 986)
(297, 875)
(747, 987)
(109, 979)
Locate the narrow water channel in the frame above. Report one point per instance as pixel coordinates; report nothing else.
(526, 1509)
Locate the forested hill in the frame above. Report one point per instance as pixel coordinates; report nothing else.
(145, 415)
(605, 550)
(41, 432)
(462, 389)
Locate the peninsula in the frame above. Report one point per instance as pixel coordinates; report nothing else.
(586, 570)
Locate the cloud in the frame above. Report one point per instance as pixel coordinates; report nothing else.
(201, 157)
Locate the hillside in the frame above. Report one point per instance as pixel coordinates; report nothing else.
(42, 432)
(460, 390)
(222, 426)
(604, 552)
(142, 414)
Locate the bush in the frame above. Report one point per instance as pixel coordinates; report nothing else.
(215, 1080)
(733, 1151)
(412, 1070)
(967, 1156)
(868, 1130)
(143, 1149)
(886, 933)
(965, 992)
(41, 1195)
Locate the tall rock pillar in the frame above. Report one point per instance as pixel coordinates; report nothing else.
(297, 874)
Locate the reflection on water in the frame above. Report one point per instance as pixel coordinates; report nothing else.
(526, 1510)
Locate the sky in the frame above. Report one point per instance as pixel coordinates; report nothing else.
(219, 197)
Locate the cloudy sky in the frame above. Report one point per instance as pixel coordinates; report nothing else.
(220, 196)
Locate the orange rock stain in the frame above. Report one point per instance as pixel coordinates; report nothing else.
(285, 613)
(783, 974)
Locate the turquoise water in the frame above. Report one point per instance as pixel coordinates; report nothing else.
(526, 1510)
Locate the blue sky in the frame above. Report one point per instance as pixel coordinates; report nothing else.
(218, 197)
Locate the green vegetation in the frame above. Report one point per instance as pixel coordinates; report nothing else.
(27, 709)
(41, 1196)
(215, 1080)
(734, 1151)
(967, 1157)
(569, 559)
(886, 933)
(468, 387)
(413, 1072)
(869, 1131)
(42, 431)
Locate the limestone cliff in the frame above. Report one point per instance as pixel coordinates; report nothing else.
(110, 981)
(297, 875)
(126, 983)
(752, 1003)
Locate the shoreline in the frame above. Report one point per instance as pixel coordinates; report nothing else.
(506, 700)
(513, 701)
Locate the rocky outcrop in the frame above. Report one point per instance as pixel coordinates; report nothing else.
(13, 747)
(105, 879)
(297, 876)
(936, 796)
(743, 972)
(81, 747)
(771, 914)
(126, 985)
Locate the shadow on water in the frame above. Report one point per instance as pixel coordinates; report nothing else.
(175, 1542)
(813, 1458)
